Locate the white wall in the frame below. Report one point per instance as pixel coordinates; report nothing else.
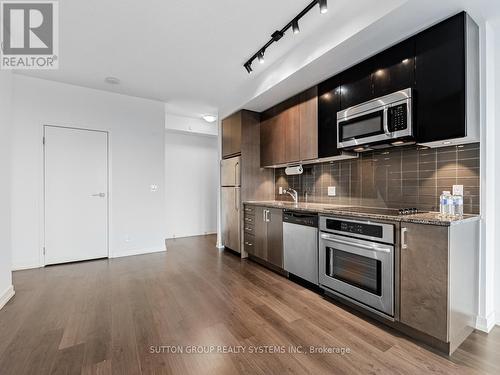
(495, 27)
(191, 183)
(136, 128)
(189, 124)
(6, 289)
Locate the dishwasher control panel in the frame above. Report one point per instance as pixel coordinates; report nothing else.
(300, 218)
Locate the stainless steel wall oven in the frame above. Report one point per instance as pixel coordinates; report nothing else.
(356, 261)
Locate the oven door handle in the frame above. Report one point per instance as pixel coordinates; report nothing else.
(329, 237)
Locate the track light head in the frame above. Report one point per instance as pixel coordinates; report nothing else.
(295, 26)
(248, 67)
(323, 6)
(260, 57)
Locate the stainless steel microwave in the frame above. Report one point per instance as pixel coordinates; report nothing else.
(378, 123)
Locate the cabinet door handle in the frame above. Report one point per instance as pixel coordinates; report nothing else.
(404, 245)
(264, 215)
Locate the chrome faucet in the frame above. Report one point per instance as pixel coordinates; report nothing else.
(293, 193)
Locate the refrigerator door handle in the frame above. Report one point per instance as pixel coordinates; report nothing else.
(236, 177)
(236, 199)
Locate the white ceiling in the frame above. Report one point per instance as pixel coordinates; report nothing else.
(189, 53)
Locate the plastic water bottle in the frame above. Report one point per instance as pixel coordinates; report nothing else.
(443, 204)
(458, 205)
(450, 204)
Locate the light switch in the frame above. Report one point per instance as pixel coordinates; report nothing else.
(280, 190)
(332, 191)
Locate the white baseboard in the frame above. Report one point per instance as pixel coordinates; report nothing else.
(128, 253)
(6, 296)
(187, 235)
(487, 323)
(25, 266)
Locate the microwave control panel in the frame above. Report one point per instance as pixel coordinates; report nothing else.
(398, 117)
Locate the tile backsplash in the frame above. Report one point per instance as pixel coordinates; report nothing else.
(394, 178)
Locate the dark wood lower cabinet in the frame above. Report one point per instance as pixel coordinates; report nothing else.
(438, 283)
(424, 279)
(267, 239)
(274, 238)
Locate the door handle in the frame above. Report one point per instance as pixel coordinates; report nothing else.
(355, 244)
(100, 195)
(404, 245)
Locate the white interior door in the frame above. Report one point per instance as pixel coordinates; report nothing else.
(76, 194)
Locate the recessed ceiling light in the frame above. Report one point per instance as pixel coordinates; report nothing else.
(112, 80)
(209, 118)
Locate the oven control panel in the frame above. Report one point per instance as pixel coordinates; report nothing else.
(365, 229)
(362, 229)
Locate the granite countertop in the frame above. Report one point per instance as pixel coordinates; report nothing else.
(432, 218)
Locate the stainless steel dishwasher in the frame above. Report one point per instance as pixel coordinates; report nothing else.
(300, 244)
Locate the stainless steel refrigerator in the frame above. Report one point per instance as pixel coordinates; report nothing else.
(231, 206)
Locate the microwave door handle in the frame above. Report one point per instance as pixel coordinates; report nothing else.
(386, 120)
(363, 246)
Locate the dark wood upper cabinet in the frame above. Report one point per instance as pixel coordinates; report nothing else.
(290, 121)
(308, 120)
(441, 81)
(389, 71)
(231, 135)
(289, 130)
(272, 140)
(357, 85)
(328, 106)
(394, 69)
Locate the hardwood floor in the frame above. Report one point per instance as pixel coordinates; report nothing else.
(123, 316)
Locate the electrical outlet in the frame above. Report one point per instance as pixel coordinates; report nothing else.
(332, 191)
(280, 190)
(458, 190)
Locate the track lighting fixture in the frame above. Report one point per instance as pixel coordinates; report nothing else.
(260, 57)
(323, 6)
(278, 34)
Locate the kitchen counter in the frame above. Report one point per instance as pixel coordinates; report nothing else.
(431, 218)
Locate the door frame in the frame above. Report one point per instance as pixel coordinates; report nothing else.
(108, 181)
